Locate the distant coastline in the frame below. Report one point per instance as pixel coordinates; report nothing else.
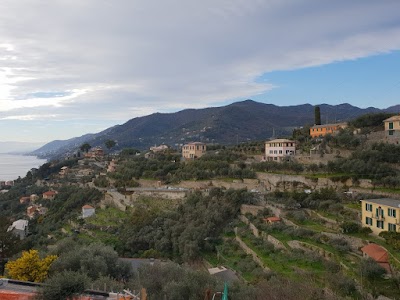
(13, 165)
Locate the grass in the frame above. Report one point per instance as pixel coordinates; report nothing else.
(287, 264)
(109, 216)
(353, 205)
(157, 204)
(231, 255)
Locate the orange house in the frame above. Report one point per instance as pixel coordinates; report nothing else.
(322, 130)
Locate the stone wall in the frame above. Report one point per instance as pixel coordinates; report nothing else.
(249, 251)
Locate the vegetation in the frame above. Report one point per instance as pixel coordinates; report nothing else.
(30, 267)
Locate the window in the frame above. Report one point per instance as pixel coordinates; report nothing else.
(379, 224)
(275, 152)
(368, 207)
(280, 151)
(379, 212)
(368, 221)
(391, 125)
(391, 212)
(271, 151)
(392, 227)
(391, 132)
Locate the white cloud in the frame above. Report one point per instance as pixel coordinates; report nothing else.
(120, 59)
(29, 117)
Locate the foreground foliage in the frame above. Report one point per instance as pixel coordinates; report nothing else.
(30, 267)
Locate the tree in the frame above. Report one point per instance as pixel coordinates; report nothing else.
(30, 267)
(317, 115)
(85, 147)
(110, 144)
(63, 285)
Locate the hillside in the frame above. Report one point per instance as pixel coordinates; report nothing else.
(237, 122)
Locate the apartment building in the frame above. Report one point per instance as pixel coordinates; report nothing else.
(279, 149)
(317, 131)
(381, 214)
(194, 150)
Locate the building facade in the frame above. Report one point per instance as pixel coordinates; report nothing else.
(280, 150)
(88, 211)
(19, 228)
(392, 129)
(317, 131)
(194, 150)
(381, 214)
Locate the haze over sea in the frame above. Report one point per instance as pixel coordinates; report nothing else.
(12, 165)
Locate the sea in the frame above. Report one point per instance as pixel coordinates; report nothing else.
(13, 165)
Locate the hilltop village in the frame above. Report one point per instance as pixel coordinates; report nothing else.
(315, 215)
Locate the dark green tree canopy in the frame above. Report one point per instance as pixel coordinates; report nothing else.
(85, 147)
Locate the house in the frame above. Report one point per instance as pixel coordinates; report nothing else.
(159, 148)
(279, 150)
(19, 228)
(18, 290)
(96, 152)
(24, 200)
(377, 253)
(317, 131)
(194, 150)
(381, 214)
(31, 211)
(87, 211)
(64, 171)
(272, 220)
(49, 195)
(112, 166)
(392, 129)
(34, 197)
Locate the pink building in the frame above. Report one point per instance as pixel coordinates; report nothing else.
(280, 150)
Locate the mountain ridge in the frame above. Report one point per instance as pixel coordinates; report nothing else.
(236, 122)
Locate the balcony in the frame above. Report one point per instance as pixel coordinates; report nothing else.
(379, 218)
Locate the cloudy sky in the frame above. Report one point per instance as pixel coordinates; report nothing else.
(70, 67)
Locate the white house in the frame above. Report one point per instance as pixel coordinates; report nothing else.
(279, 149)
(19, 228)
(87, 211)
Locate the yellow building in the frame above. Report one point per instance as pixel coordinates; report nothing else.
(392, 129)
(193, 150)
(381, 214)
(318, 131)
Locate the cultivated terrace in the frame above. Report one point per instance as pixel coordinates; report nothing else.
(271, 230)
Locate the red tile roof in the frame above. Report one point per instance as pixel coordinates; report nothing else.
(49, 193)
(272, 219)
(87, 206)
(376, 252)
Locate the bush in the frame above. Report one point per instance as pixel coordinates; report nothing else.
(64, 285)
(350, 227)
(340, 244)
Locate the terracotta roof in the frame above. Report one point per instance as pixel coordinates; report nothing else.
(87, 206)
(49, 193)
(394, 118)
(376, 252)
(195, 143)
(329, 125)
(272, 219)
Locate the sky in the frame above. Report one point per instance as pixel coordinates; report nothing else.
(71, 67)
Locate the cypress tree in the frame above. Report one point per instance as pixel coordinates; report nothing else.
(317, 115)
